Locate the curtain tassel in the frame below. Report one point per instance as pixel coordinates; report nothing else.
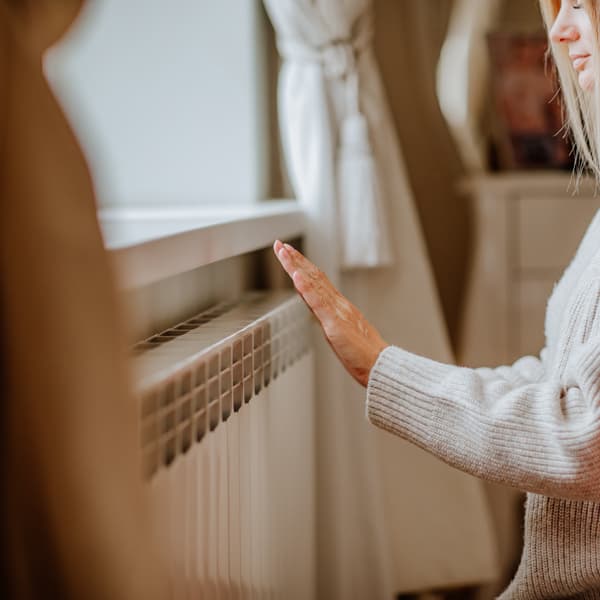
(364, 237)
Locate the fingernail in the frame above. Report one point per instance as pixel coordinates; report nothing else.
(288, 247)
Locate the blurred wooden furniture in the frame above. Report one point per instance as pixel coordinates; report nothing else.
(526, 229)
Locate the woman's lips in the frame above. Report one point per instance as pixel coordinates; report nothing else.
(579, 62)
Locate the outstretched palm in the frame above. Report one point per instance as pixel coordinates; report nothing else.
(355, 341)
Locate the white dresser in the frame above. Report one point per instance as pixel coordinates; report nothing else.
(526, 229)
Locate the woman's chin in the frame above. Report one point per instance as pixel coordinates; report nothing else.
(586, 82)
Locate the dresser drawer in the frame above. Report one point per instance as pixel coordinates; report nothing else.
(529, 326)
(549, 229)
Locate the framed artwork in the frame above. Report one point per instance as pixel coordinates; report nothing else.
(527, 115)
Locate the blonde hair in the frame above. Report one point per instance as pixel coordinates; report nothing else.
(582, 107)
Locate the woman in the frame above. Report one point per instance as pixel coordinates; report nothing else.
(534, 425)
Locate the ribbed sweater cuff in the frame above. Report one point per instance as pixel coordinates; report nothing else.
(399, 397)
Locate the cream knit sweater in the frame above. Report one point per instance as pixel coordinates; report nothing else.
(534, 425)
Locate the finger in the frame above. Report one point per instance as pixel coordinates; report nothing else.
(305, 288)
(287, 258)
(317, 296)
(310, 282)
(286, 261)
(312, 277)
(311, 271)
(300, 261)
(293, 261)
(282, 257)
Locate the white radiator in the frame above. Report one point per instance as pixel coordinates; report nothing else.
(227, 431)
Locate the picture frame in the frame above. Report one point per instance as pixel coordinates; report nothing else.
(527, 119)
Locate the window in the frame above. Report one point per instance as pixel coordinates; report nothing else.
(169, 99)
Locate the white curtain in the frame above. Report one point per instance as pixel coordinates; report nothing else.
(323, 102)
(390, 518)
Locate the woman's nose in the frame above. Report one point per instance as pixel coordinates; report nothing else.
(563, 32)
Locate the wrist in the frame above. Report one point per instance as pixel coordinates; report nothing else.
(375, 357)
(383, 346)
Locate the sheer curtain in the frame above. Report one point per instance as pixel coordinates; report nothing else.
(390, 518)
(326, 133)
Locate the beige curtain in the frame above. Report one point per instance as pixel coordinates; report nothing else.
(407, 45)
(73, 518)
(391, 519)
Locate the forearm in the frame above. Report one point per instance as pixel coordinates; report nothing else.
(536, 437)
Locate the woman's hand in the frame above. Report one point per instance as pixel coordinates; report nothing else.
(356, 342)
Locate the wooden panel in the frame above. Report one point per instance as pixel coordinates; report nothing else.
(532, 297)
(487, 292)
(550, 229)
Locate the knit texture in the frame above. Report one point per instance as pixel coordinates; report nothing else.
(534, 425)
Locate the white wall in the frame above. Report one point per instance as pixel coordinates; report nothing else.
(168, 99)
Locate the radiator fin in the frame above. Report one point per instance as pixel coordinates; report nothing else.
(227, 432)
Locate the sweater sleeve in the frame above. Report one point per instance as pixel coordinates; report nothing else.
(529, 369)
(511, 425)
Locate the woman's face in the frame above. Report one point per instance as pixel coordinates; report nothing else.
(573, 27)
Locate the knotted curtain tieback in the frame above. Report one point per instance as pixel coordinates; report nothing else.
(364, 238)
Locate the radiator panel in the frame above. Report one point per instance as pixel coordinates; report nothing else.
(227, 430)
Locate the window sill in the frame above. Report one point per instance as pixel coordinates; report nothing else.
(152, 244)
